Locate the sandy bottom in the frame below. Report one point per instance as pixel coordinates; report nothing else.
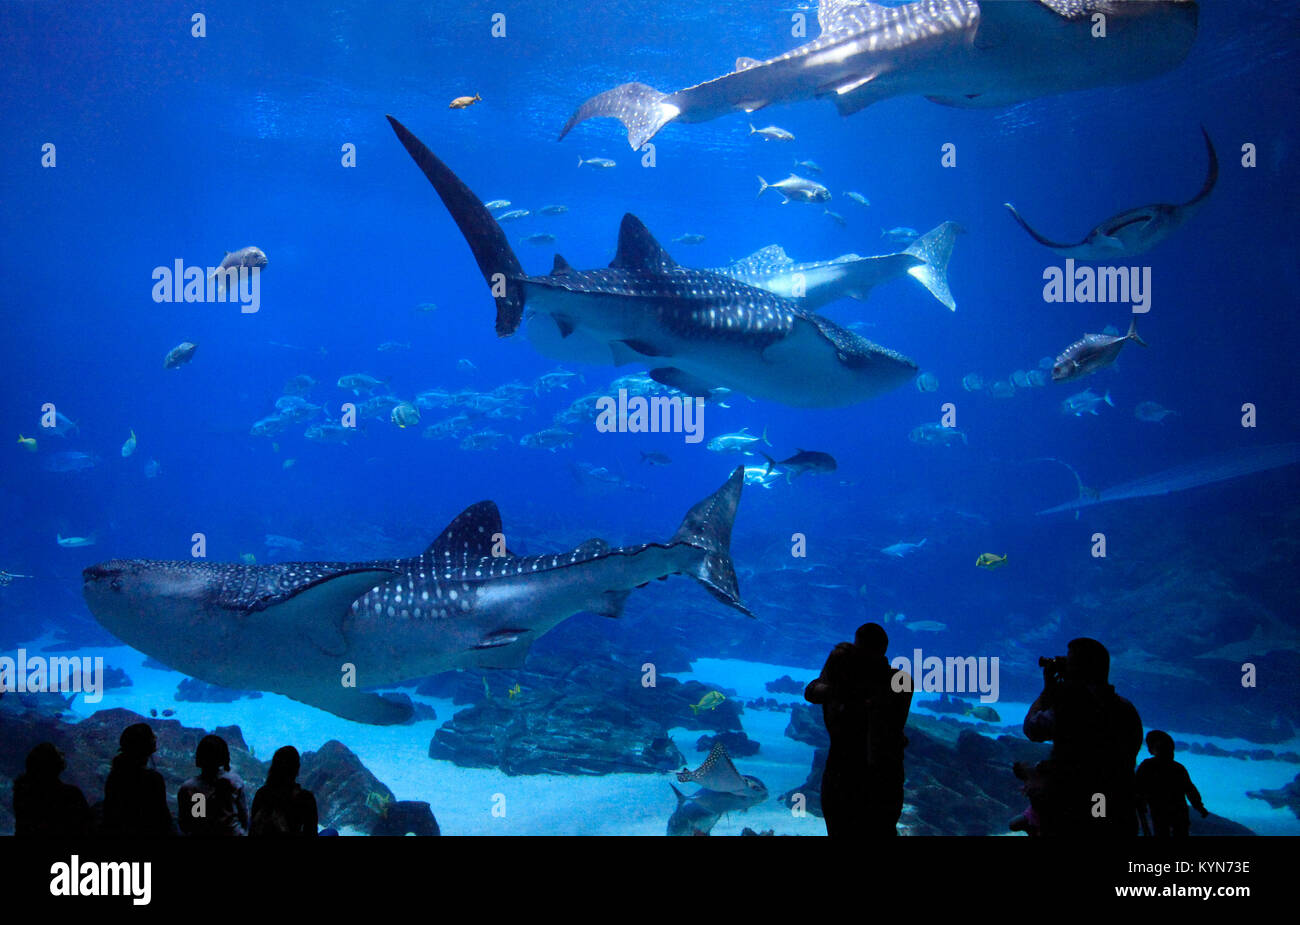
(463, 799)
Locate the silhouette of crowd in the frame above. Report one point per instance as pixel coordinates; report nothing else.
(211, 803)
(1086, 788)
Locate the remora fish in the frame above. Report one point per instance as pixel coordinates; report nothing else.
(955, 52)
(850, 276)
(696, 330)
(1133, 231)
(289, 628)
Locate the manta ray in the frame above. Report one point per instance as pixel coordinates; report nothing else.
(695, 330)
(466, 602)
(1133, 231)
(960, 53)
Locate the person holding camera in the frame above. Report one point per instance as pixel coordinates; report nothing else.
(1090, 786)
(864, 702)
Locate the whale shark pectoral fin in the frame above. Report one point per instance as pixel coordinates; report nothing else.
(317, 612)
(641, 349)
(683, 381)
(354, 704)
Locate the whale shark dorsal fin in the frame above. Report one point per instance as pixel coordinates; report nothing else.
(716, 773)
(638, 249)
(765, 258)
(561, 267)
(470, 534)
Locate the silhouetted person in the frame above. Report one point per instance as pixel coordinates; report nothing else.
(43, 804)
(862, 784)
(1163, 789)
(282, 807)
(1096, 735)
(135, 795)
(213, 802)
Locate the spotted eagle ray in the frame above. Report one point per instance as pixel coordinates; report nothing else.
(696, 330)
(291, 628)
(850, 276)
(723, 790)
(956, 52)
(1133, 231)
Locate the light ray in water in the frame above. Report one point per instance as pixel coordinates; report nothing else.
(1219, 468)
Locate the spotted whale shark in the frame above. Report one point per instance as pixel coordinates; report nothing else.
(963, 53)
(1133, 231)
(818, 283)
(292, 628)
(694, 330)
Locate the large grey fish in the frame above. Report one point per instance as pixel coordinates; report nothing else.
(695, 329)
(955, 52)
(291, 628)
(723, 790)
(1093, 352)
(851, 276)
(1133, 231)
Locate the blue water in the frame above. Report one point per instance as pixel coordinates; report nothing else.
(172, 147)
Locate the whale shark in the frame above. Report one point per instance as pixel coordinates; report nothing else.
(1133, 231)
(293, 628)
(694, 330)
(818, 283)
(960, 53)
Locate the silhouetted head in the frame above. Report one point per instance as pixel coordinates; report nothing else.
(137, 742)
(212, 754)
(1160, 744)
(284, 767)
(1089, 661)
(871, 639)
(45, 762)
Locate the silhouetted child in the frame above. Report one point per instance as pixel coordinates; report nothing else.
(213, 802)
(1034, 777)
(282, 807)
(43, 804)
(1164, 787)
(135, 796)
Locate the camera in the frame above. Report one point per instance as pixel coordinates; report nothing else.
(1058, 665)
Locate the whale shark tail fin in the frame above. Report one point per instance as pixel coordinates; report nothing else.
(642, 109)
(934, 248)
(707, 526)
(496, 260)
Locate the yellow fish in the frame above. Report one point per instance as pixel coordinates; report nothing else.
(28, 442)
(990, 561)
(461, 102)
(709, 701)
(514, 691)
(248, 558)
